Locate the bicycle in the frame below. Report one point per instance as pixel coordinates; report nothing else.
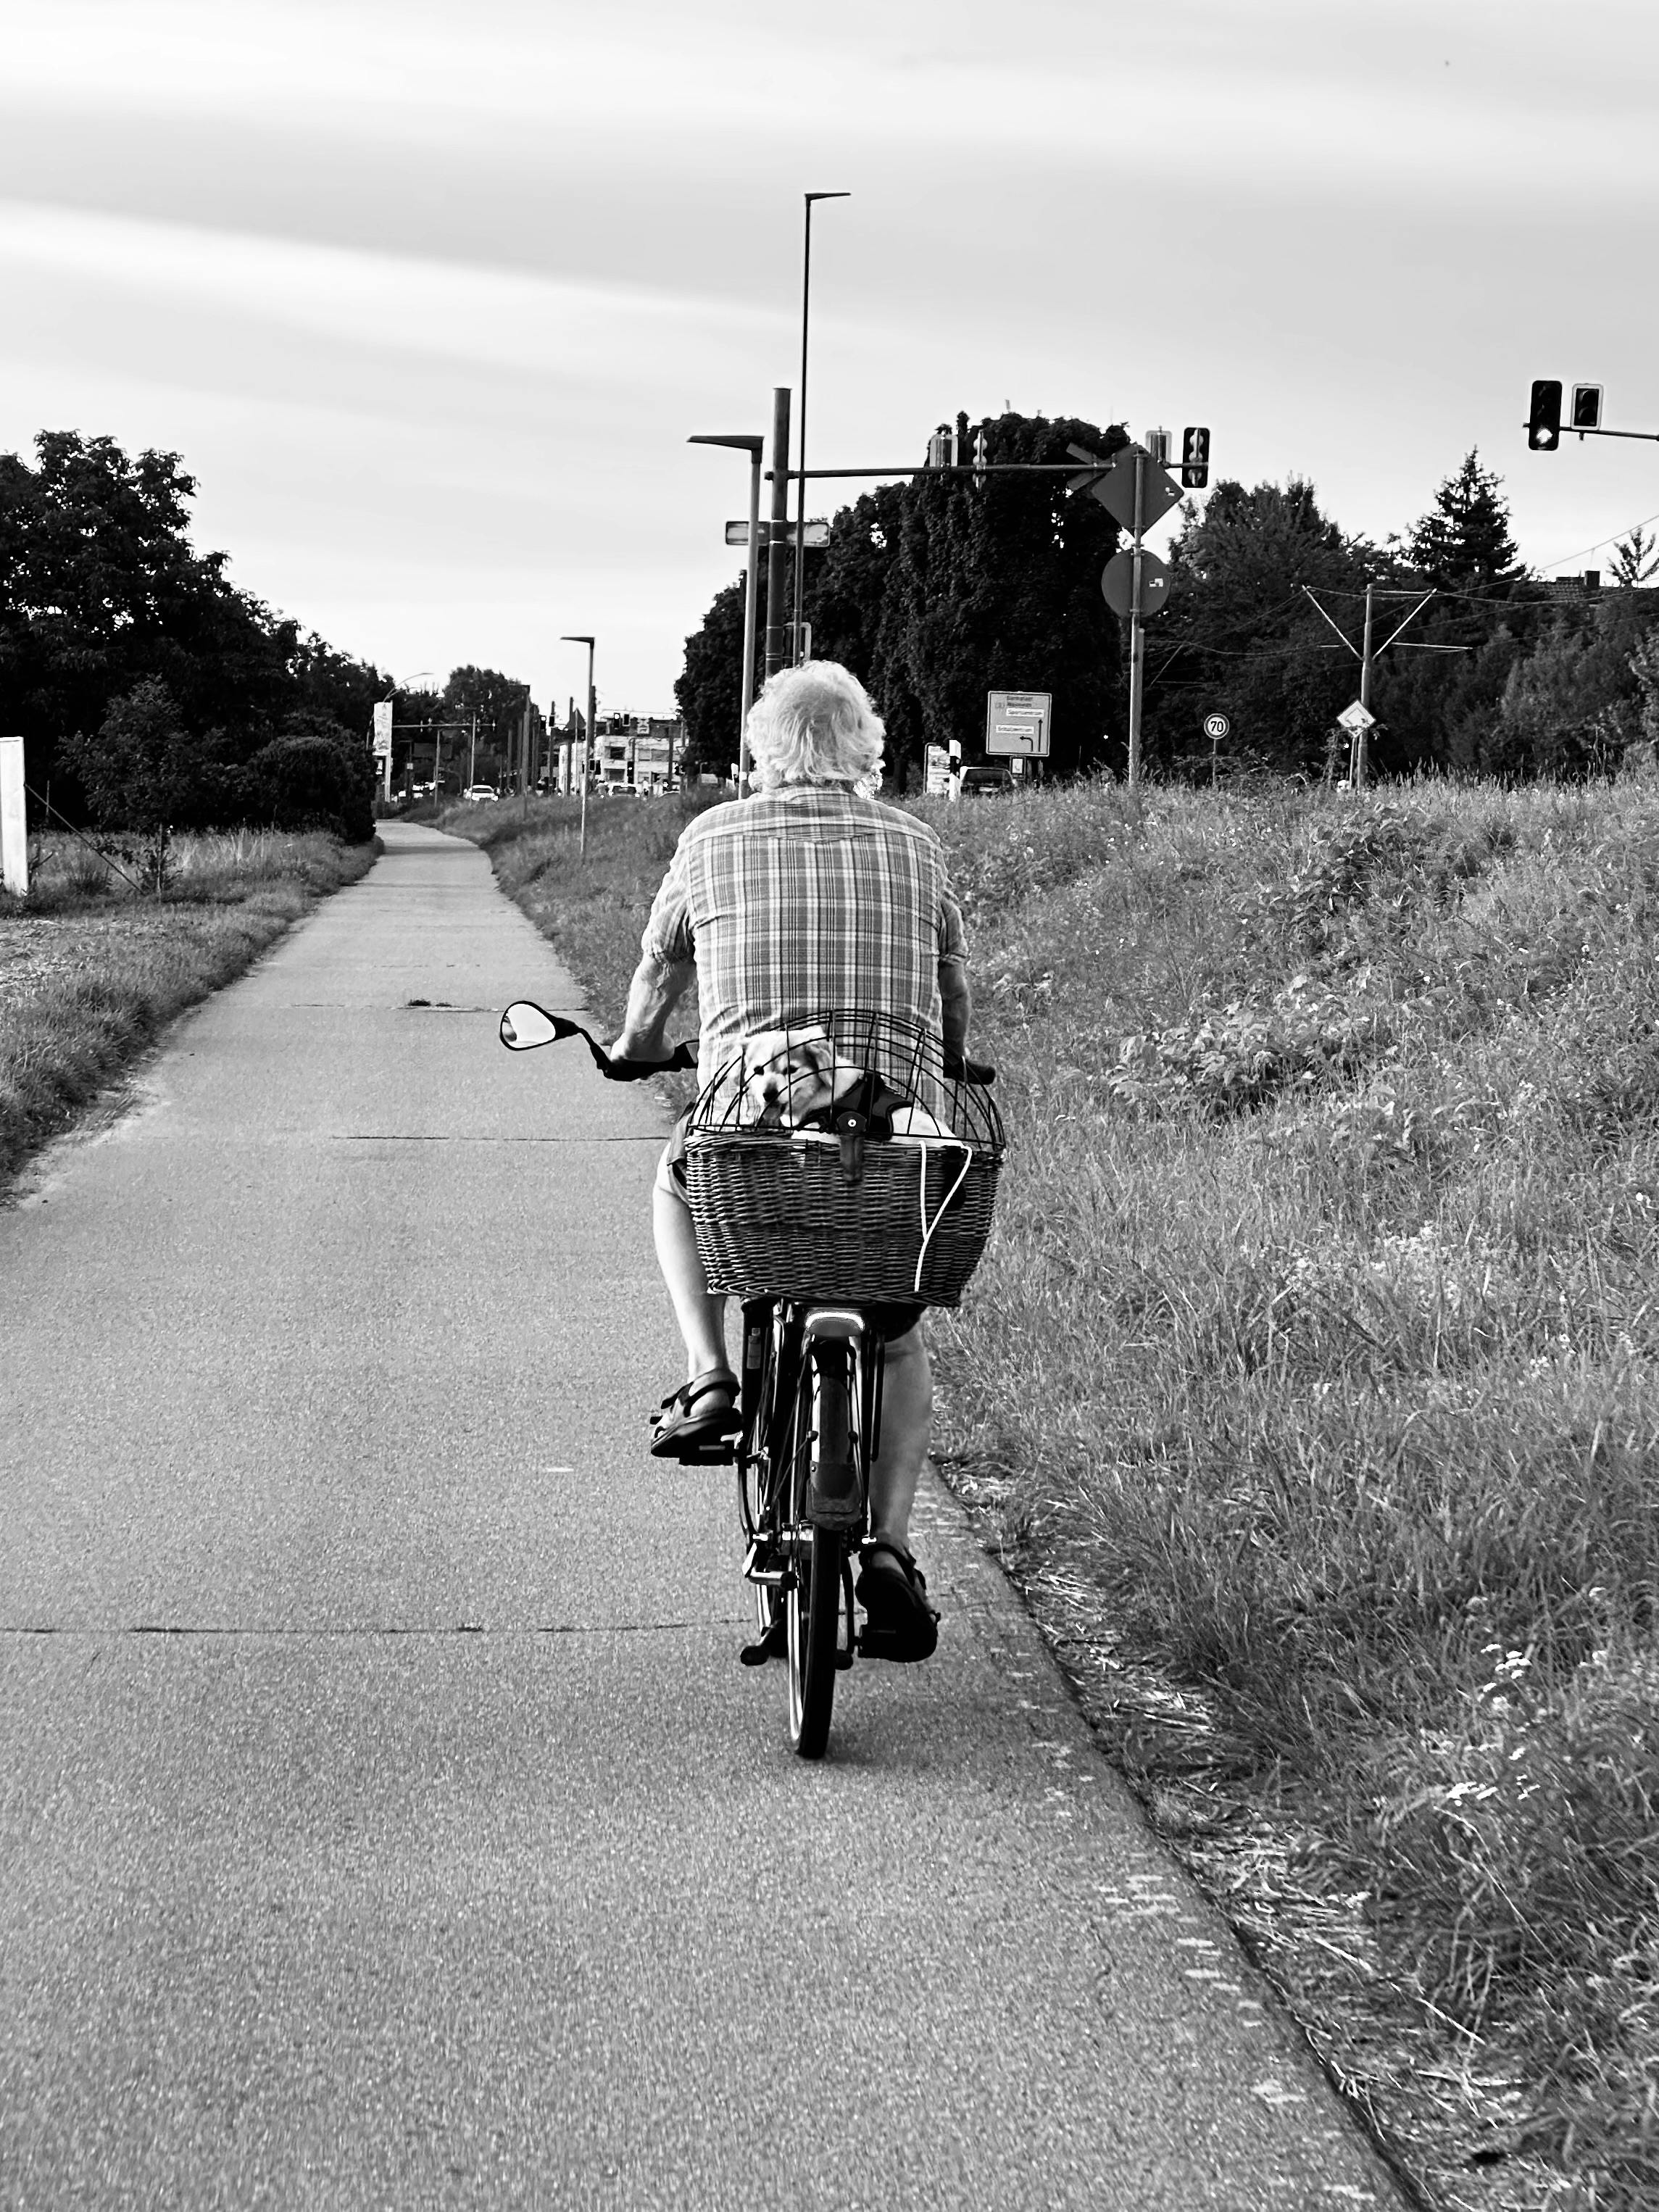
(821, 1223)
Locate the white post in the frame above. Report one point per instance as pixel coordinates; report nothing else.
(14, 830)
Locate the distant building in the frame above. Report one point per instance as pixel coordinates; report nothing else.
(637, 752)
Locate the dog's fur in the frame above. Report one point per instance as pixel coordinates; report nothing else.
(790, 1074)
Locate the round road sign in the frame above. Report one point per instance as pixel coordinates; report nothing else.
(1216, 726)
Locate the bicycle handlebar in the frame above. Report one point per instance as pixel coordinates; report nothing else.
(524, 1025)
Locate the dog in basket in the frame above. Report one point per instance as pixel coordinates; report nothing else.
(795, 1078)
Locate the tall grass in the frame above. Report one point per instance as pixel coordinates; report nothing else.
(93, 967)
(1314, 1357)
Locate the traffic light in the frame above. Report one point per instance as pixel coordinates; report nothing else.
(981, 456)
(1543, 423)
(1586, 406)
(942, 447)
(1194, 458)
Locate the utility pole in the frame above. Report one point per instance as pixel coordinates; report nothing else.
(778, 653)
(1364, 689)
(1367, 656)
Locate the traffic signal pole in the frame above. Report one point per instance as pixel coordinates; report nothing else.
(1137, 627)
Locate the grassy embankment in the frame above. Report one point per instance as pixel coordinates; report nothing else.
(91, 969)
(1309, 1390)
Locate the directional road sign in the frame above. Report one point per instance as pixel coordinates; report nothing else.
(818, 531)
(1117, 583)
(1017, 723)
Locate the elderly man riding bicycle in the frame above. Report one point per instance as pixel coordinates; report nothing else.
(810, 895)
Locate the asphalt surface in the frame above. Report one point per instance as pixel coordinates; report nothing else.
(384, 1819)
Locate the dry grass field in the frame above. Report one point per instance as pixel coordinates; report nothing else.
(1309, 1390)
(92, 967)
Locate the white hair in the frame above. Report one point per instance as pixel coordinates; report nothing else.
(815, 723)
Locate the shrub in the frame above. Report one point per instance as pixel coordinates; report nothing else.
(308, 780)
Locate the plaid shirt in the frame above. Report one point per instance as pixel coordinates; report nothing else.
(795, 902)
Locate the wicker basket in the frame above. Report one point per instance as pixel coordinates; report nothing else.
(777, 1215)
(805, 1212)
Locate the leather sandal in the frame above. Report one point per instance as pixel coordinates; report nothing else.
(899, 1623)
(690, 1427)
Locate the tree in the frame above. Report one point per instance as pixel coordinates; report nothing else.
(143, 770)
(935, 592)
(1239, 635)
(100, 591)
(706, 691)
(1635, 558)
(1463, 542)
(967, 590)
(334, 684)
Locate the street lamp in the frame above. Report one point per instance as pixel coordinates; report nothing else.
(800, 480)
(754, 447)
(587, 739)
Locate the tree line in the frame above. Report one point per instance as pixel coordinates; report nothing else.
(152, 693)
(935, 591)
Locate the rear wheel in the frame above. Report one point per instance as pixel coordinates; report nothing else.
(826, 1469)
(813, 1606)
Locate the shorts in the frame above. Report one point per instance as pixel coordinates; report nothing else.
(894, 1319)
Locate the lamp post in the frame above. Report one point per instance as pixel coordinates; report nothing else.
(801, 477)
(754, 447)
(587, 740)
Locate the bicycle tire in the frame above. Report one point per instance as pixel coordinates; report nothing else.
(814, 1625)
(825, 1426)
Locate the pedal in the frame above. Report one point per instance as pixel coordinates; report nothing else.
(717, 1451)
(772, 1645)
(892, 1644)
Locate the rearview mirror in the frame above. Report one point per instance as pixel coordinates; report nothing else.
(524, 1026)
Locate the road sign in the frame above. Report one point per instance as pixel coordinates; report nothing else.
(1115, 490)
(818, 533)
(1216, 727)
(1017, 723)
(1357, 718)
(1117, 583)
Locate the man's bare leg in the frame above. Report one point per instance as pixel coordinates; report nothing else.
(906, 1422)
(700, 1311)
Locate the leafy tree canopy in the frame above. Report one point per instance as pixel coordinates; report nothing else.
(935, 591)
(102, 595)
(1240, 636)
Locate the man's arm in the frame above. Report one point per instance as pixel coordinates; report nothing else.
(656, 990)
(957, 999)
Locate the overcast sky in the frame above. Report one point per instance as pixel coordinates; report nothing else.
(430, 295)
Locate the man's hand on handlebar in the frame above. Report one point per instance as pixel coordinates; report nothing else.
(630, 1059)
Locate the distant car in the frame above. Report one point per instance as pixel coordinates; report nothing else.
(481, 791)
(979, 777)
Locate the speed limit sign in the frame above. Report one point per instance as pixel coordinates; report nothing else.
(1216, 726)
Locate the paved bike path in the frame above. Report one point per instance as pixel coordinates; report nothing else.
(384, 1817)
